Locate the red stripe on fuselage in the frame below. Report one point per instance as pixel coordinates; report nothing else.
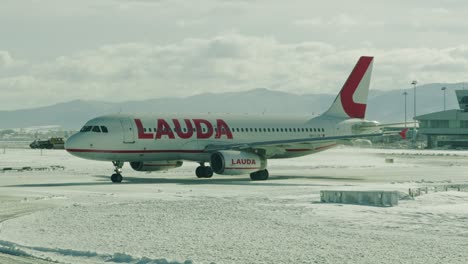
(134, 151)
(235, 168)
(324, 147)
(159, 165)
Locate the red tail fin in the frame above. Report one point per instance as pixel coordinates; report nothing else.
(352, 100)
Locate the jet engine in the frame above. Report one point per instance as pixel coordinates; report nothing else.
(232, 162)
(155, 165)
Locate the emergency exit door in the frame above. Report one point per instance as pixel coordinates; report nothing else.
(128, 131)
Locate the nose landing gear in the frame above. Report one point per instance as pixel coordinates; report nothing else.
(117, 176)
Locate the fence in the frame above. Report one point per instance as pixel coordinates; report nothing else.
(418, 191)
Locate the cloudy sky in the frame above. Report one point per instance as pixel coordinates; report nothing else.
(115, 50)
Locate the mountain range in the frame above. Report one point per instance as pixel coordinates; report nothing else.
(384, 106)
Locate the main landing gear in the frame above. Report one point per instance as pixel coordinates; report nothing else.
(203, 171)
(259, 175)
(117, 176)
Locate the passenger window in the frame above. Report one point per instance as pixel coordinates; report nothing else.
(104, 129)
(96, 129)
(255, 130)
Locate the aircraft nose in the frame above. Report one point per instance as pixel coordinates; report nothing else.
(73, 143)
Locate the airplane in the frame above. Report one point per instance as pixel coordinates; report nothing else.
(230, 144)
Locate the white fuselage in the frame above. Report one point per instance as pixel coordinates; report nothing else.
(152, 137)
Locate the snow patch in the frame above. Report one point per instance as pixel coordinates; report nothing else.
(14, 249)
(11, 249)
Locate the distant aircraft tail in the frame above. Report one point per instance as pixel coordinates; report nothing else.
(403, 133)
(351, 102)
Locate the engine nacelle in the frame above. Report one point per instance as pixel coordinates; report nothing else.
(231, 162)
(155, 165)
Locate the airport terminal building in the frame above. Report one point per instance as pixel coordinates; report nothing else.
(447, 129)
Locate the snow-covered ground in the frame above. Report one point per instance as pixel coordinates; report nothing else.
(77, 215)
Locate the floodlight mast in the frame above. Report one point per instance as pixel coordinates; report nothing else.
(405, 94)
(414, 118)
(444, 89)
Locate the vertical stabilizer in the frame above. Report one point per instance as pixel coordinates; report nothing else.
(351, 102)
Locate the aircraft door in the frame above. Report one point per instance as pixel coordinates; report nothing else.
(128, 131)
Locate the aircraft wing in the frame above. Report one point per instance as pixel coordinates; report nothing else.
(289, 143)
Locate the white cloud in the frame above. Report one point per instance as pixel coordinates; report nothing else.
(309, 22)
(231, 62)
(340, 21)
(135, 49)
(343, 20)
(5, 59)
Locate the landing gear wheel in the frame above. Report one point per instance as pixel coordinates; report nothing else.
(259, 175)
(116, 177)
(204, 172)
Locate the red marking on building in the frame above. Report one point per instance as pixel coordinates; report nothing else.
(403, 133)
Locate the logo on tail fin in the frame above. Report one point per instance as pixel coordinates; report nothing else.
(353, 109)
(351, 102)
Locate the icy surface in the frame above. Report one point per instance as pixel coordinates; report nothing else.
(78, 216)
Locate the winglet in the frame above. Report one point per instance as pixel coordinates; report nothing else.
(351, 102)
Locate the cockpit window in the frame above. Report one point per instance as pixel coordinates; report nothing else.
(97, 129)
(86, 129)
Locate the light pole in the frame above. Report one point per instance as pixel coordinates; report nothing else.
(414, 118)
(405, 94)
(443, 89)
(414, 86)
